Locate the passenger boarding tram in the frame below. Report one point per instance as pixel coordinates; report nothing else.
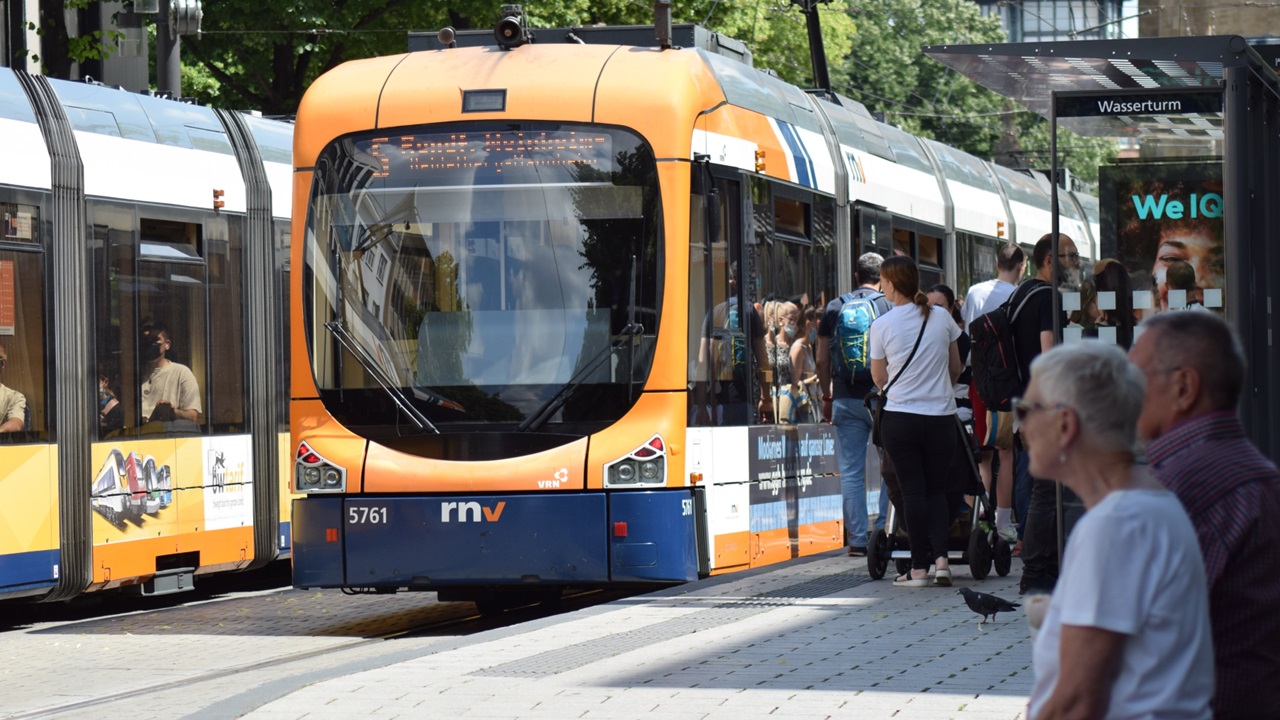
(526, 353)
(125, 212)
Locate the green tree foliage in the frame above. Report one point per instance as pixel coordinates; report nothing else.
(264, 55)
(885, 70)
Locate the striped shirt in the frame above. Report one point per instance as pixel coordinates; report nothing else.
(1232, 494)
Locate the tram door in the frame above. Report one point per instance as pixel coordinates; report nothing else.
(173, 467)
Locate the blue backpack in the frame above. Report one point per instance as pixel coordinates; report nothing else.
(853, 326)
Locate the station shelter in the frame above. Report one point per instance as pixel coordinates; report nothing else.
(1190, 207)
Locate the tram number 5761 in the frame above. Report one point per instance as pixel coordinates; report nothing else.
(367, 515)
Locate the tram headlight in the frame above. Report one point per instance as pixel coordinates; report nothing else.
(624, 473)
(651, 470)
(314, 474)
(646, 466)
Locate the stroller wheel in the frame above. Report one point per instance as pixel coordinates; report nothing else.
(878, 555)
(979, 554)
(1002, 556)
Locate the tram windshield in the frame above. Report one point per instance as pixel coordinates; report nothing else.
(483, 274)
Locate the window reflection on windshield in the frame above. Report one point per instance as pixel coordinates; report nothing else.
(486, 283)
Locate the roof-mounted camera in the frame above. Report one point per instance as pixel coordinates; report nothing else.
(510, 31)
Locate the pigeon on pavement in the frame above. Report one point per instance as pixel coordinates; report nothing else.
(986, 605)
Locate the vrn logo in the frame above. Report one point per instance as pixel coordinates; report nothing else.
(470, 512)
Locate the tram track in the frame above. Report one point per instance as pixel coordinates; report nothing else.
(296, 669)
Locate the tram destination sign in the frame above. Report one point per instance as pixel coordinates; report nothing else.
(1140, 103)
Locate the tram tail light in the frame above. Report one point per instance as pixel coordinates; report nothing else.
(313, 474)
(646, 466)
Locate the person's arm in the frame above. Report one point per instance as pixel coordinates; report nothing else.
(1089, 660)
(1046, 323)
(188, 405)
(876, 347)
(702, 414)
(823, 361)
(797, 362)
(954, 366)
(17, 411)
(880, 372)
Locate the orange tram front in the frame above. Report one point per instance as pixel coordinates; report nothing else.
(523, 351)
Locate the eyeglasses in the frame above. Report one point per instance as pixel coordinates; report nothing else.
(1073, 257)
(1022, 408)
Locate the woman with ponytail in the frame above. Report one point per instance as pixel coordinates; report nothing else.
(913, 352)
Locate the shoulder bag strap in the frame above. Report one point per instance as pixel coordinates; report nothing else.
(1014, 315)
(910, 357)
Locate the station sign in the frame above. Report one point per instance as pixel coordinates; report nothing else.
(1142, 102)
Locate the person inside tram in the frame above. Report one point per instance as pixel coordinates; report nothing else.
(13, 404)
(729, 400)
(169, 390)
(110, 411)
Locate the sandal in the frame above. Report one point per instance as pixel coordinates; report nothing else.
(942, 577)
(908, 581)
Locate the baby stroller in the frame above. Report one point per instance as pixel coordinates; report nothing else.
(973, 539)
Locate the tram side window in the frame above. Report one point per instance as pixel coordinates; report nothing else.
(171, 358)
(224, 252)
(794, 288)
(23, 409)
(929, 259)
(725, 391)
(283, 314)
(151, 319)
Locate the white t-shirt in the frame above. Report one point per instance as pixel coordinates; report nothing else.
(975, 300)
(1133, 567)
(983, 298)
(1000, 292)
(13, 405)
(925, 386)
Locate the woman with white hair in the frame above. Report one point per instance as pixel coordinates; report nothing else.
(1126, 634)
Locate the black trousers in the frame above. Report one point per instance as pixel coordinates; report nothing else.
(922, 448)
(1040, 566)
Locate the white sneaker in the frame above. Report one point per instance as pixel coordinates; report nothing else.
(1009, 534)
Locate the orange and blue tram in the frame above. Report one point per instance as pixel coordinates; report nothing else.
(124, 213)
(529, 341)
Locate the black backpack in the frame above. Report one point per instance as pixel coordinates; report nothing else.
(997, 375)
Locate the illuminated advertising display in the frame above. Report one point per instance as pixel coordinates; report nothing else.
(1163, 223)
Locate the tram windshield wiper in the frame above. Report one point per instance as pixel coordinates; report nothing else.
(544, 413)
(391, 388)
(629, 331)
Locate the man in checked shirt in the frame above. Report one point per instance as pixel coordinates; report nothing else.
(1197, 447)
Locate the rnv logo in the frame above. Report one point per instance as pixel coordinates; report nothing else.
(470, 512)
